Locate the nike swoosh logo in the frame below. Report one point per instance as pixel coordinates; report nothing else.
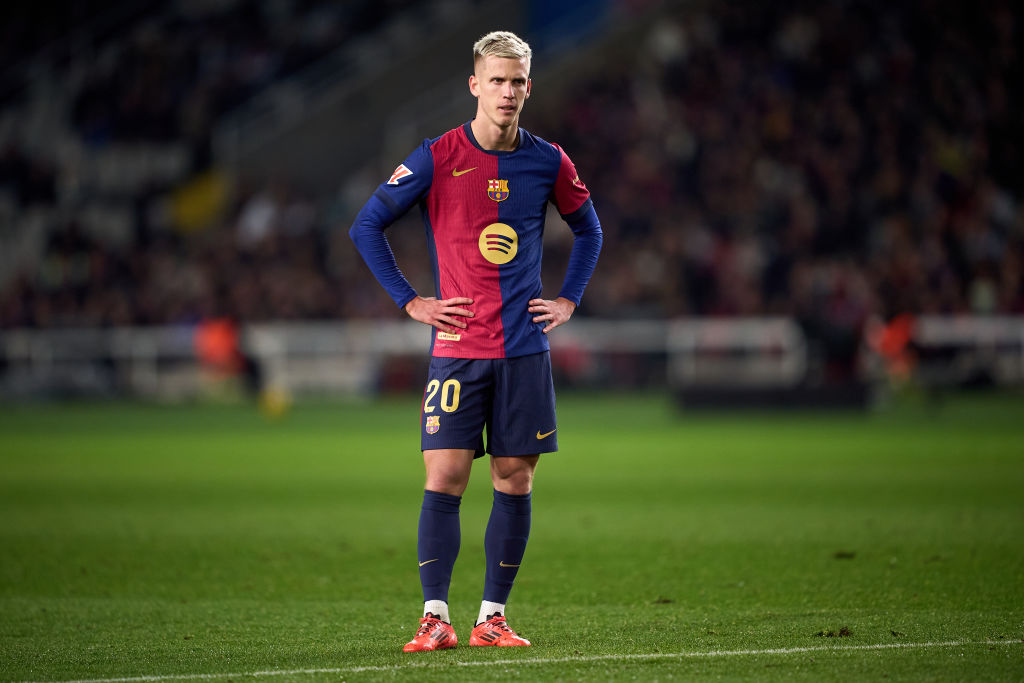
(457, 173)
(429, 561)
(502, 564)
(546, 435)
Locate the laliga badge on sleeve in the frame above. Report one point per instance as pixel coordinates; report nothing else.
(400, 172)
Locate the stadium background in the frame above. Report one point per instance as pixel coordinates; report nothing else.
(841, 165)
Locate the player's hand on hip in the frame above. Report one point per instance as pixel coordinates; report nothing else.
(443, 314)
(554, 313)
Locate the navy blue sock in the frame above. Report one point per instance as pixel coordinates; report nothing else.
(508, 529)
(438, 543)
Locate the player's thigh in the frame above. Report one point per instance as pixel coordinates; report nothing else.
(523, 420)
(455, 402)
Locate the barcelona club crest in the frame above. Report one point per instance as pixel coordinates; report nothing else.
(497, 189)
(433, 424)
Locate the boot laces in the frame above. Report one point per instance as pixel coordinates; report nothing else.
(427, 624)
(498, 622)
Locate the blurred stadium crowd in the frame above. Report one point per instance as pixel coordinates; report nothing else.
(834, 161)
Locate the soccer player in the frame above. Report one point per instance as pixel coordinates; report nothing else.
(483, 190)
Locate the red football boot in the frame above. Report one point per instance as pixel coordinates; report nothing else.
(433, 634)
(495, 633)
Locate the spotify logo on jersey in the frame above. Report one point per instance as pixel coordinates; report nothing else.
(499, 243)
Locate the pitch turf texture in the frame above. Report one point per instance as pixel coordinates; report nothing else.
(214, 543)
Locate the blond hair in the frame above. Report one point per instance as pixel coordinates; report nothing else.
(502, 44)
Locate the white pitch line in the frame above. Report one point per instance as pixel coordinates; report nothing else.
(547, 660)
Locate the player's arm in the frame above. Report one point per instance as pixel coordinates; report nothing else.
(582, 260)
(572, 199)
(410, 181)
(368, 234)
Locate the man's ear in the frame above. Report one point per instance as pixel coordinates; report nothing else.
(473, 84)
(529, 87)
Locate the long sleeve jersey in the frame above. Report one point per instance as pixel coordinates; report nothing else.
(484, 216)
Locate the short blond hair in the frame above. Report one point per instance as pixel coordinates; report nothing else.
(502, 44)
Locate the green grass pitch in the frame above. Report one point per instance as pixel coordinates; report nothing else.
(189, 542)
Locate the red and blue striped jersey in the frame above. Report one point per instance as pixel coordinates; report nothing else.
(484, 215)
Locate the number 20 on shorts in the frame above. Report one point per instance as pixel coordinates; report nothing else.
(449, 395)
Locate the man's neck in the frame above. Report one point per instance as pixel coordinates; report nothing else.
(495, 138)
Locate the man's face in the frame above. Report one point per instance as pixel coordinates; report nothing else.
(501, 86)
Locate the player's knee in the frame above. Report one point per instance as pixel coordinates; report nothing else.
(517, 486)
(452, 481)
(513, 476)
(448, 472)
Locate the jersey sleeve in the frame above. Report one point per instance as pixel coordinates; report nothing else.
(572, 199)
(409, 183)
(570, 195)
(585, 249)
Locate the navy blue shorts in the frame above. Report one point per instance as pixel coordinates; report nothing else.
(513, 398)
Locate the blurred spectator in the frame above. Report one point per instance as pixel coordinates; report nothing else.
(823, 160)
(834, 162)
